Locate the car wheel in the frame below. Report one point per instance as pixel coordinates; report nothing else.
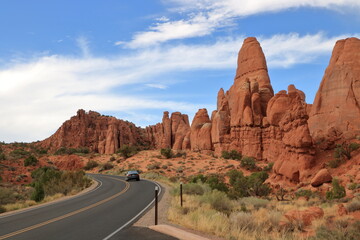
(138, 179)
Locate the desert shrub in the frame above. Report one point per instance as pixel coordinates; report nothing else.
(248, 162)
(353, 206)
(167, 152)
(334, 163)
(2, 209)
(268, 167)
(198, 178)
(53, 181)
(337, 191)
(243, 220)
(353, 186)
(245, 186)
(2, 156)
(304, 193)
(19, 153)
(217, 182)
(345, 149)
(30, 161)
(194, 189)
(173, 179)
(254, 201)
(153, 166)
(164, 166)
(64, 150)
(90, 165)
(106, 166)
(39, 193)
(6, 196)
(233, 154)
(180, 154)
(218, 201)
(112, 158)
(351, 232)
(127, 151)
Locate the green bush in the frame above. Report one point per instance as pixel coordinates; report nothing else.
(64, 150)
(167, 152)
(233, 154)
(2, 209)
(337, 191)
(245, 186)
(198, 178)
(153, 166)
(2, 156)
(39, 193)
(6, 196)
(269, 167)
(30, 161)
(334, 163)
(353, 206)
(106, 166)
(54, 181)
(350, 232)
(180, 154)
(218, 201)
(91, 165)
(19, 153)
(127, 151)
(345, 149)
(217, 182)
(304, 193)
(248, 162)
(194, 189)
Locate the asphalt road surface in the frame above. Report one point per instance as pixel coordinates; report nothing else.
(103, 213)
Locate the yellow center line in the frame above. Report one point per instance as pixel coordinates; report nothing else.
(68, 214)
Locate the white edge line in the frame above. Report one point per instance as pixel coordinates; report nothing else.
(131, 220)
(53, 202)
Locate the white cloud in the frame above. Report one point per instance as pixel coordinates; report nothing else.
(38, 95)
(83, 44)
(157, 85)
(205, 16)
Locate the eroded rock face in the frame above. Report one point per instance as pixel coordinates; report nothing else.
(200, 135)
(99, 133)
(336, 107)
(173, 132)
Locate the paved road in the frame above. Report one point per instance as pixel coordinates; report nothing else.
(103, 213)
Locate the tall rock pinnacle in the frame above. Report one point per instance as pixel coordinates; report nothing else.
(337, 103)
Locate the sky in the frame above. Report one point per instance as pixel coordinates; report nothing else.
(135, 59)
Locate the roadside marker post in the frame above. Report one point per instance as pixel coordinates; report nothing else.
(181, 195)
(156, 204)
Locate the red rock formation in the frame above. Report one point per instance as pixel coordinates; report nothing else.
(304, 216)
(291, 146)
(99, 133)
(239, 117)
(336, 108)
(200, 136)
(173, 132)
(323, 176)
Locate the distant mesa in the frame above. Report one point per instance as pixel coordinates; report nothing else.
(280, 128)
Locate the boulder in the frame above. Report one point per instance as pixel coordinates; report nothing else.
(323, 176)
(304, 217)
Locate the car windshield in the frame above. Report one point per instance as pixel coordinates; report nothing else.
(132, 172)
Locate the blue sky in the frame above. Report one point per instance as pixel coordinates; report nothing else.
(136, 59)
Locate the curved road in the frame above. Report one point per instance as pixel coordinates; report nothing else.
(99, 214)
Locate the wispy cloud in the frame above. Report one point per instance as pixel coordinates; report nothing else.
(203, 17)
(37, 95)
(83, 44)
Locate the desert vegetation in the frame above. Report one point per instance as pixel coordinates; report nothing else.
(48, 184)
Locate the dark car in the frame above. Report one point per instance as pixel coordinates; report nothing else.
(132, 175)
